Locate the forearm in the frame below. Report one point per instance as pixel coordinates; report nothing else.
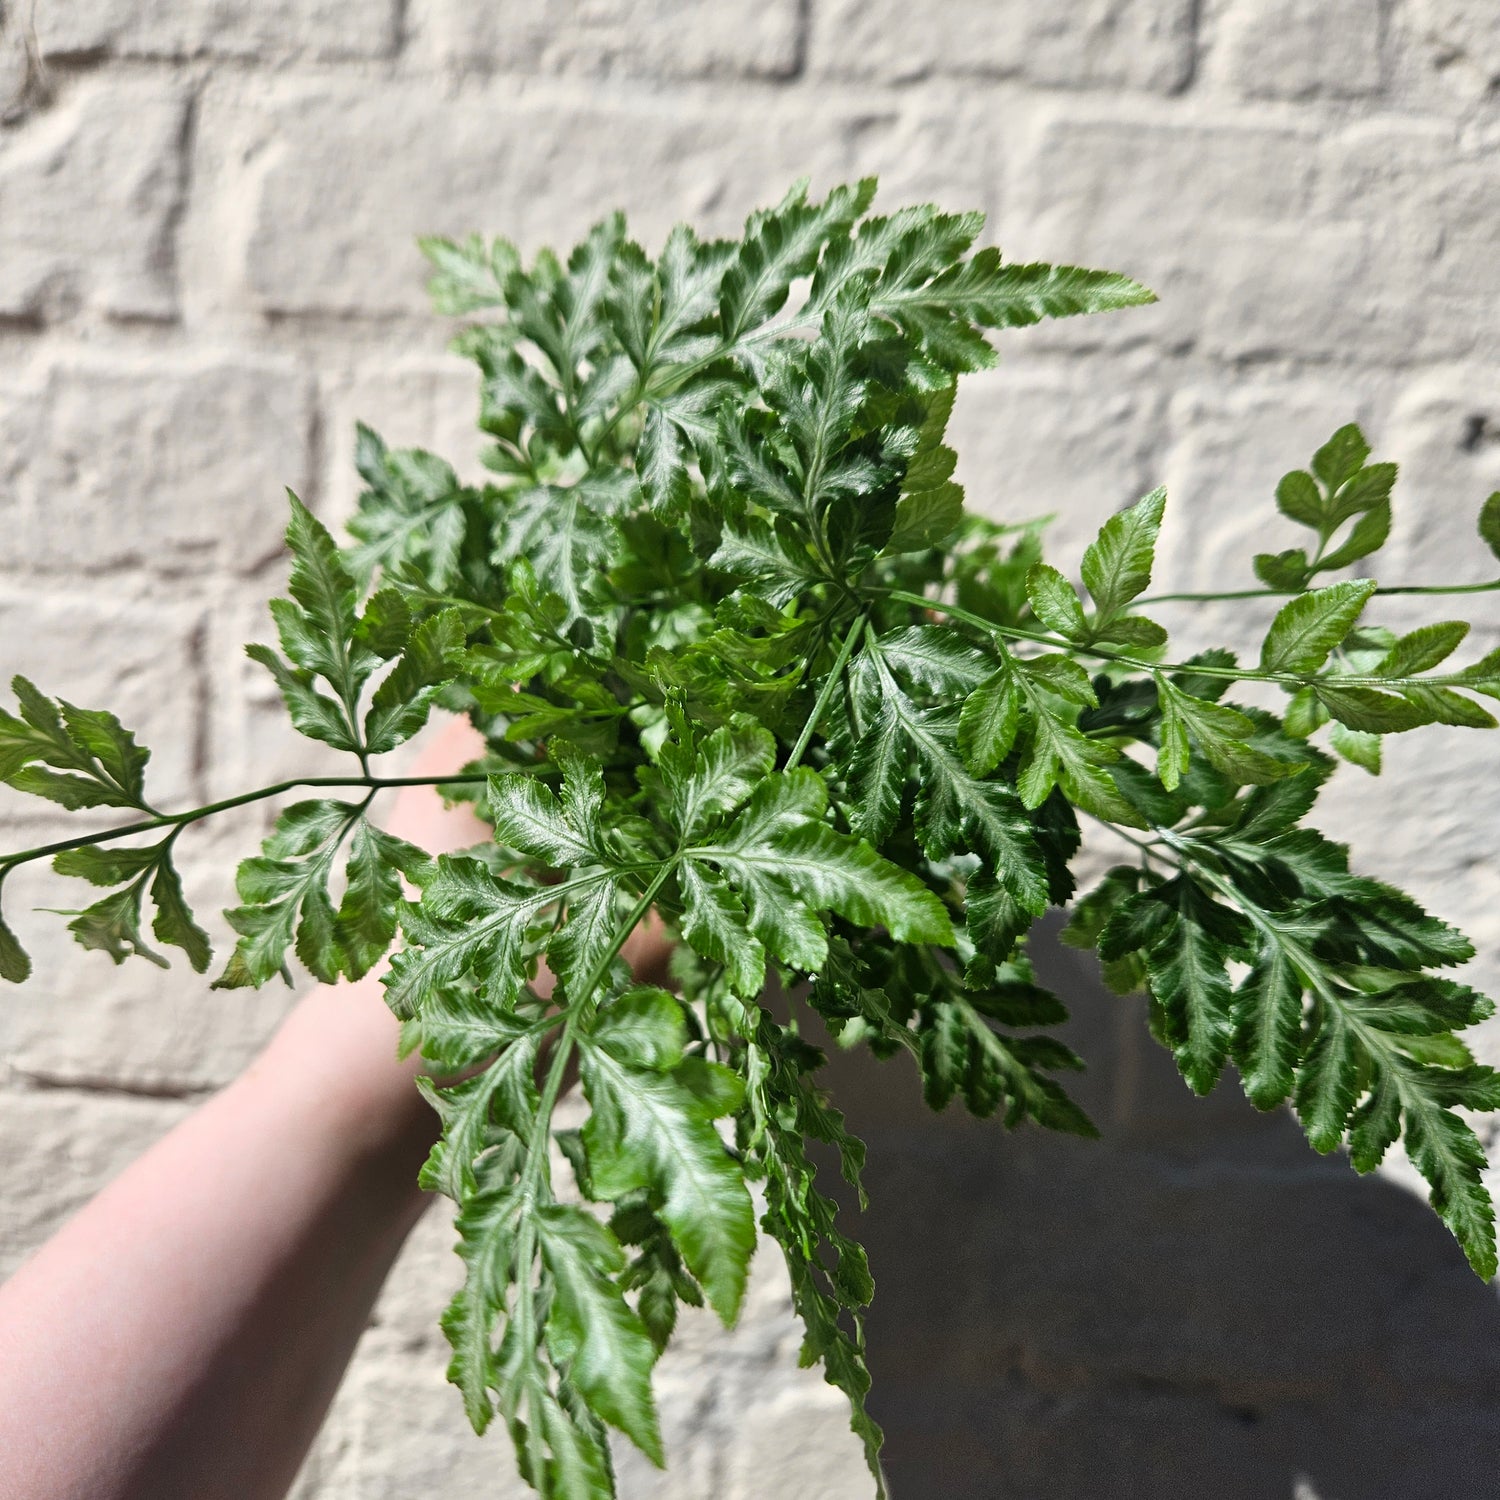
(182, 1337)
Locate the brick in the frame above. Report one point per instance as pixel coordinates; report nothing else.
(1233, 445)
(1100, 175)
(1445, 433)
(170, 467)
(1367, 246)
(1145, 44)
(1159, 202)
(420, 1286)
(60, 1149)
(1445, 210)
(1423, 835)
(163, 28)
(698, 1430)
(1315, 293)
(80, 1019)
(927, 153)
(1206, 1271)
(1428, 200)
(1283, 50)
(1449, 52)
(1409, 176)
(659, 38)
(90, 192)
(397, 1429)
(1077, 1265)
(21, 408)
(15, 71)
(1034, 440)
(249, 740)
(354, 177)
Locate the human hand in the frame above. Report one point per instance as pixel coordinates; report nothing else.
(371, 1089)
(371, 1100)
(418, 813)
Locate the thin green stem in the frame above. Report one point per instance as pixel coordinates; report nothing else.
(1059, 643)
(533, 1171)
(1442, 588)
(596, 975)
(178, 821)
(1401, 588)
(830, 686)
(517, 452)
(454, 599)
(1147, 848)
(1136, 663)
(1149, 851)
(557, 1067)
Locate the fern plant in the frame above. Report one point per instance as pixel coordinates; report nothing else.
(742, 657)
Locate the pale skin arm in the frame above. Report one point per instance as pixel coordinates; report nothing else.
(182, 1336)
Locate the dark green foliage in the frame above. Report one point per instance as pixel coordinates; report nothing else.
(1341, 489)
(83, 758)
(742, 657)
(75, 757)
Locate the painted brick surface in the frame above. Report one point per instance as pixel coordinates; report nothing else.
(1278, 49)
(207, 275)
(1031, 446)
(349, 170)
(1448, 51)
(89, 198)
(272, 29)
(600, 38)
(1140, 44)
(130, 471)
(60, 636)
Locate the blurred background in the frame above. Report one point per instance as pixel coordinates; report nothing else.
(207, 273)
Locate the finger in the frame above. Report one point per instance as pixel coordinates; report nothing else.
(419, 815)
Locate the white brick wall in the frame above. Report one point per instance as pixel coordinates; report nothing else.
(206, 273)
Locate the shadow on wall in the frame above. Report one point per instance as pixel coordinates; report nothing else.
(1197, 1306)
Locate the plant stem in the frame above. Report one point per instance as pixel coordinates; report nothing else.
(541, 1130)
(556, 1068)
(1228, 674)
(1400, 588)
(178, 821)
(830, 686)
(1015, 633)
(1149, 850)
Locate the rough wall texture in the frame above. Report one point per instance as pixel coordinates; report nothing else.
(206, 273)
